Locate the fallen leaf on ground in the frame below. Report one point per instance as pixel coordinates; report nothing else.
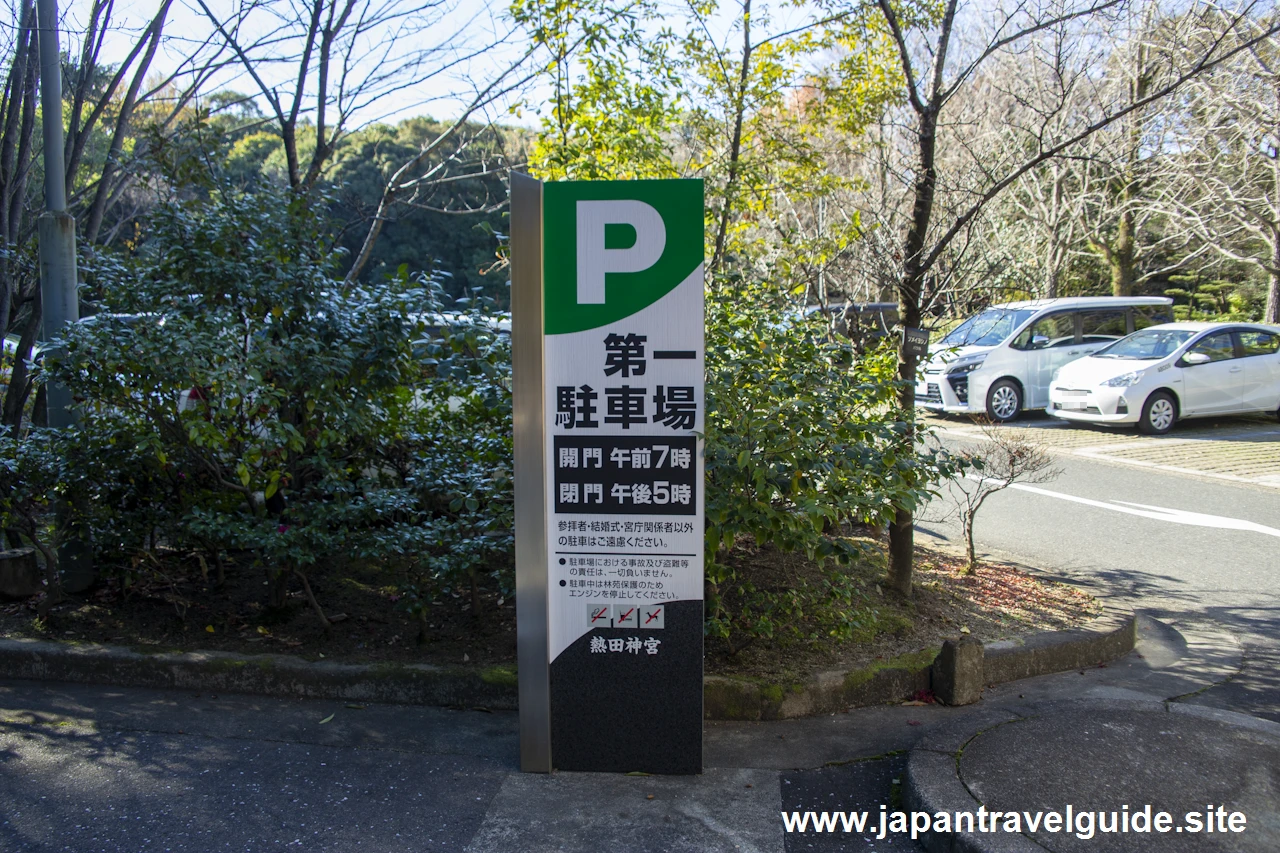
(326, 719)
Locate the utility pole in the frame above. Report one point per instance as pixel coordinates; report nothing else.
(58, 277)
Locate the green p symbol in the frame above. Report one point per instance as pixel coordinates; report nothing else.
(595, 273)
(595, 260)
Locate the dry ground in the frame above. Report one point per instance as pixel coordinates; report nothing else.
(999, 601)
(180, 610)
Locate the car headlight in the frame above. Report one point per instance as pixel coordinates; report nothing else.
(1124, 381)
(1056, 374)
(967, 367)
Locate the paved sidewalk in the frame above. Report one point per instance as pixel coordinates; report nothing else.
(101, 769)
(1118, 776)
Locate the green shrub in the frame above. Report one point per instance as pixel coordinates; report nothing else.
(1198, 299)
(34, 476)
(332, 423)
(324, 424)
(803, 439)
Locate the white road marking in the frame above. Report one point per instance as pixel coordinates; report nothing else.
(1159, 513)
(1104, 452)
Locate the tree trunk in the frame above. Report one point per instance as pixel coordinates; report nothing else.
(972, 565)
(1054, 256)
(423, 633)
(311, 598)
(1124, 255)
(1051, 281)
(52, 577)
(1272, 313)
(1121, 257)
(902, 531)
(101, 199)
(902, 551)
(735, 145)
(15, 398)
(278, 589)
(18, 99)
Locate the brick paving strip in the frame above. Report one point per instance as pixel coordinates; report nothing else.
(1242, 450)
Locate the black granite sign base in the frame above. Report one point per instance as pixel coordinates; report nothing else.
(628, 710)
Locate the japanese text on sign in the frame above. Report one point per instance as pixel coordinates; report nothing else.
(627, 644)
(627, 405)
(636, 476)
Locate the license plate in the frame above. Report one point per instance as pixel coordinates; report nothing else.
(1074, 405)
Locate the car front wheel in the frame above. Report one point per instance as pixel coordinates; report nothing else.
(1158, 414)
(1004, 401)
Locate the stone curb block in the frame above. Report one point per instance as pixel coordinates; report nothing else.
(19, 573)
(272, 675)
(1109, 636)
(729, 698)
(932, 783)
(725, 698)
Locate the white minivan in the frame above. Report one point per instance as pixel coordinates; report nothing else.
(999, 362)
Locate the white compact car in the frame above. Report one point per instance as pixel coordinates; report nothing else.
(999, 362)
(1155, 377)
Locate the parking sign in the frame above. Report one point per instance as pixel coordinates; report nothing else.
(620, 519)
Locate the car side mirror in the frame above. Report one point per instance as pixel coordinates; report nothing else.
(1196, 358)
(1039, 341)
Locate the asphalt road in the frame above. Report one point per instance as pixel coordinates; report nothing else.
(1183, 548)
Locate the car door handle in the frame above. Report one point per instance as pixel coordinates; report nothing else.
(1235, 370)
(1073, 352)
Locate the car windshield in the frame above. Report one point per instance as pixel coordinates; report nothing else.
(1147, 345)
(988, 328)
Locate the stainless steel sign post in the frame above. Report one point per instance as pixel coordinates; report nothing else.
(530, 476)
(607, 324)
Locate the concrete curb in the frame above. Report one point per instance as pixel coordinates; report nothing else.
(271, 675)
(933, 784)
(725, 698)
(1109, 636)
(737, 698)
